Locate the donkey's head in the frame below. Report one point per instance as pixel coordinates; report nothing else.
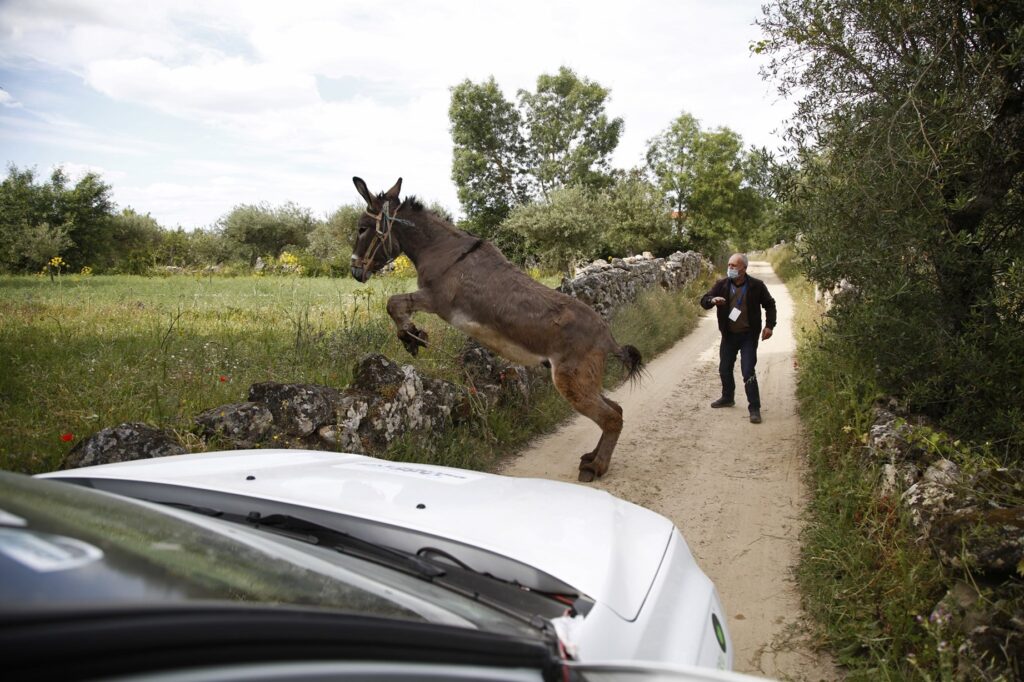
(375, 245)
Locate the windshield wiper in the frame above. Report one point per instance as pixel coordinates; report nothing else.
(485, 588)
(343, 542)
(325, 536)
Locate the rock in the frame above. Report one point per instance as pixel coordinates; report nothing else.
(993, 635)
(260, 265)
(929, 497)
(123, 443)
(896, 478)
(341, 438)
(377, 374)
(388, 401)
(298, 409)
(604, 286)
(987, 541)
(495, 379)
(243, 424)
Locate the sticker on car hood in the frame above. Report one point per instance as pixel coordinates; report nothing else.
(44, 552)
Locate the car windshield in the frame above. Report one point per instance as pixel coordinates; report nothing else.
(63, 545)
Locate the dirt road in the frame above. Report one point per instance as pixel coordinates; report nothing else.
(734, 488)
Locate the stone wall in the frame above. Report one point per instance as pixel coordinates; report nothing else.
(973, 523)
(606, 285)
(385, 400)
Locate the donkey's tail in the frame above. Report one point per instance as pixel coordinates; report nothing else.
(634, 364)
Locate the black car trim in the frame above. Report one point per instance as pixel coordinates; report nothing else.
(86, 644)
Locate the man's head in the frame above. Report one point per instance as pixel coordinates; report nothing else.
(738, 266)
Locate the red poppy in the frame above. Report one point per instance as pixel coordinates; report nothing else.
(67, 437)
(223, 378)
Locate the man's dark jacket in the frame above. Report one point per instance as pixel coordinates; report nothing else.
(757, 296)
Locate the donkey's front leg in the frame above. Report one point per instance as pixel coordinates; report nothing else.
(400, 308)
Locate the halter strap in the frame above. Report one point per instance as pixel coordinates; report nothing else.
(383, 238)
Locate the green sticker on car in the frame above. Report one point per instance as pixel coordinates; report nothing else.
(719, 632)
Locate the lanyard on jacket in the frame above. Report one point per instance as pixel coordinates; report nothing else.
(743, 292)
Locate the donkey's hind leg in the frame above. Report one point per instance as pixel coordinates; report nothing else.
(579, 382)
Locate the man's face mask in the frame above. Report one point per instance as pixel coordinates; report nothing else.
(732, 273)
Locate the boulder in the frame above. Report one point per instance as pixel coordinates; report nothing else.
(495, 379)
(988, 541)
(123, 443)
(242, 424)
(298, 409)
(388, 400)
(929, 498)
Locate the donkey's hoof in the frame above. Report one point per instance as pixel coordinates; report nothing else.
(586, 476)
(413, 339)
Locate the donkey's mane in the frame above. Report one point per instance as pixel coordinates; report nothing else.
(416, 206)
(414, 203)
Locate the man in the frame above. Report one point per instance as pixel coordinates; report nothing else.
(739, 299)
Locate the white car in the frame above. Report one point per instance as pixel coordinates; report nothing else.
(589, 577)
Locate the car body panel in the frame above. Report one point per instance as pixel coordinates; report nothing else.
(608, 548)
(642, 595)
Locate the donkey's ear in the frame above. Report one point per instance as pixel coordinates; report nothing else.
(363, 191)
(392, 194)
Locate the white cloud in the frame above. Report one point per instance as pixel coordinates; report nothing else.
(45, 129)
(224, 86)
(7, 100)
(246, 72)
(76, 171)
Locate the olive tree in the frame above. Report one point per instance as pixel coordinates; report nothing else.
(908, 133)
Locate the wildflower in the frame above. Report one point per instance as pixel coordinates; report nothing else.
(223, 378)
(67, 437)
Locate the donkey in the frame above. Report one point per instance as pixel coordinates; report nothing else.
(467, 282)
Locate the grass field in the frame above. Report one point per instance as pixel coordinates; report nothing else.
(85, 353)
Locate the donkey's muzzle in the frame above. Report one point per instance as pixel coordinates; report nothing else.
(360, 274)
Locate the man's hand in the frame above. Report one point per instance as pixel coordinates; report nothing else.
(718, 300)
(766, 333)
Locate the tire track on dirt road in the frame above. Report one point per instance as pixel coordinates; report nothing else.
(735, 489)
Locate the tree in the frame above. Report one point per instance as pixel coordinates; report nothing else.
(564, 229)
(87, 210)
(488, 155)
(39, 243)
(23, 205)
(505, 156)
(701, 175)
(570, 138)
(637, 220)
(908, 131)
(82, 213)
(331, 241)
(137, 237)
(259, 230)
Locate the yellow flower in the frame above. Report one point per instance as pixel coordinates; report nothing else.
(403, 267)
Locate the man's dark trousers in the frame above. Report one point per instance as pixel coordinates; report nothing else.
(744, 343)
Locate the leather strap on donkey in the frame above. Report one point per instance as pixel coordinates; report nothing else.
(383, 237)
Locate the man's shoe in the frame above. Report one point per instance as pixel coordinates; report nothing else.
(722, 402)
(755, 416)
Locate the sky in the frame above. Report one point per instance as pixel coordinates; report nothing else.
(191, 107)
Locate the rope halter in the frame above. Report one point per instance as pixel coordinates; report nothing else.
(383, 237)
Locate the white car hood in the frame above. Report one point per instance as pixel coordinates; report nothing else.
(607, 548)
